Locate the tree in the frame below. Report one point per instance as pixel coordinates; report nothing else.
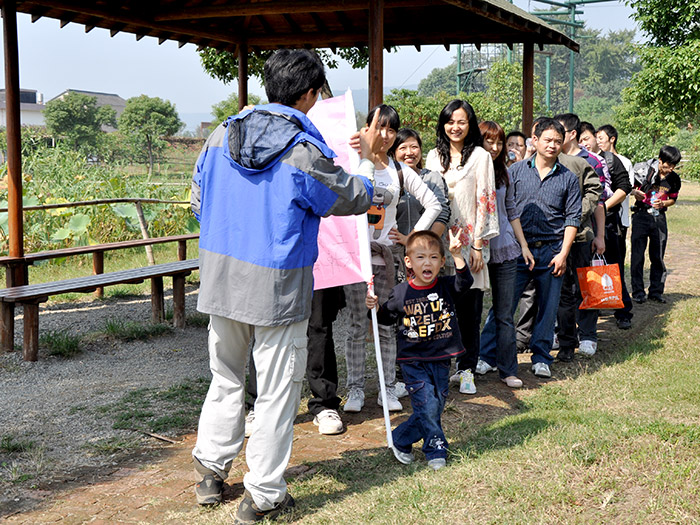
(146, 119)
(76, 119)
(229, 106)
(667, 23)
(223, 65)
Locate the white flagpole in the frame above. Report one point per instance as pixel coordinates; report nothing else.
(380, 370)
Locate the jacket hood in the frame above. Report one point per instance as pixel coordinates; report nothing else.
(258, 137)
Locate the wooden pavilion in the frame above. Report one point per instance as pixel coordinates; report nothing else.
(241, 26)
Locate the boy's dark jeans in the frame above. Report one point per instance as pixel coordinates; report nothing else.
(427, 383)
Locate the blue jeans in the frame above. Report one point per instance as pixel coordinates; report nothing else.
(547, 292)
(499, 325)
(427, 383)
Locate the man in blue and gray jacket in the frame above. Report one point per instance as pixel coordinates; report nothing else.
(261, 184)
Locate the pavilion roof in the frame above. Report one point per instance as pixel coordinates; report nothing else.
(272, 24)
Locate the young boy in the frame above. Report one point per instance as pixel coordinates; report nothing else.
(428, 337)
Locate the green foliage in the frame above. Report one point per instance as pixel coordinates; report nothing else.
(668, 23)
(597, 110)
(223, 65)
(60, 344)
(439, 79)
(59, 175)
(229, 106)
(76, 119)
(146, 120)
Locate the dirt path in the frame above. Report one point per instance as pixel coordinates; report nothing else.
(155, 485)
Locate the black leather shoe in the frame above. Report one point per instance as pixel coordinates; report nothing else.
(565, 355)
(641, 299)
(624, 324)
(657, 299)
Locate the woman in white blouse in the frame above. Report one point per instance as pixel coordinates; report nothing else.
(391, 178)
(468, 171)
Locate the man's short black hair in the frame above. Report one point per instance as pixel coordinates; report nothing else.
(516, 133)
(610, 131)
(549, 123)
(570, 121)
(670, 155)
(586, 126)
(290, 73)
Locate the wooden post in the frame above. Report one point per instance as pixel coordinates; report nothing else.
(144, 233)
(182, 250)
(31, 332)
(242, 76)
(18, 275)
(179, 301)
(376, 52)
(528, 86)
(98, 267)
(157, 300)
(7, 326)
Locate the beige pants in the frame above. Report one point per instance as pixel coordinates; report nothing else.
(280, 360)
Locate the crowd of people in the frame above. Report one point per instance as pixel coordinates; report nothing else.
(511, 215)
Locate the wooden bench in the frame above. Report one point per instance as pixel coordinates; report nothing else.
(31, 295)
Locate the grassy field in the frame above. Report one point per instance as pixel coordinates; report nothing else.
(618, 442)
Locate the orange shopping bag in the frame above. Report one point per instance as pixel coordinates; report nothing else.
(601, 286)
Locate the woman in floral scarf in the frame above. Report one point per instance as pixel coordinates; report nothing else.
(468, 172)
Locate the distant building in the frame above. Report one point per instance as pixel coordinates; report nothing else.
(31, 107)
(103, 99)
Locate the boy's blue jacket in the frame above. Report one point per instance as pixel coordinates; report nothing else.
(260, 186)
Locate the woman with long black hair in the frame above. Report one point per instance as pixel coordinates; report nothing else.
(468, 172)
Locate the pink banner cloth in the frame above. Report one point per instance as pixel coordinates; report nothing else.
(343, 242)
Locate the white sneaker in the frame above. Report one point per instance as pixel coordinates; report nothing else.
(404, 457)
(393, 402)
(249, 420)
(482, 367)
(400, 389)
(587, 347)
(437, 463)
(541, 370)
(328, 422)
(466, 383)
(355, 402)
(555, 342)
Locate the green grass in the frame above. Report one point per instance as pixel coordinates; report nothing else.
(112, 445)
(173, 410)
(132, 331)
(11, 445)
(60, 344)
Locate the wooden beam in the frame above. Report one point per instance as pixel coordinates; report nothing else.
(376, 52)
(14, 137)
(528, 86)
(280, 8)
(242, 76)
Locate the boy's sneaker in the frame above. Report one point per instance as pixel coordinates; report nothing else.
(541, 370)
(400, 389)
(404, 457)
(587, 347)
(482, 368)
(437, 463)
(248, 512)
(466, 382)
(393, 402)
(249, 420)
(355, 402)
(328, 422)
(209, 486)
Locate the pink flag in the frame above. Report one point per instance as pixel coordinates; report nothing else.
(343, 242)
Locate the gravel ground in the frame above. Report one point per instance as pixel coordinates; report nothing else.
(50, 402)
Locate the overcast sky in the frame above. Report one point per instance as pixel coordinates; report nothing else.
(53, 60)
